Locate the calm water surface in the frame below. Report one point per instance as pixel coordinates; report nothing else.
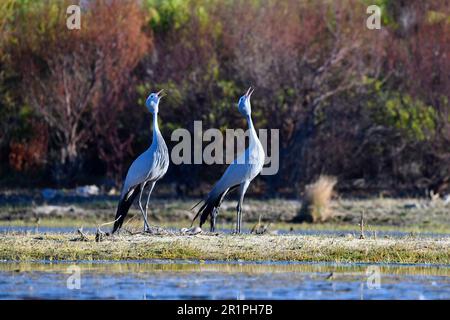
(161, 279)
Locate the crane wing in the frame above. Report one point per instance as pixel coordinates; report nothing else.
(138, 172)
(237, 172)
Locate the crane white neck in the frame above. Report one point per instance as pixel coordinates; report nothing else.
(155, 126)
(252, 132)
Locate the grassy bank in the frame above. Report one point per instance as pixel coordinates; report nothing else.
(225, 247)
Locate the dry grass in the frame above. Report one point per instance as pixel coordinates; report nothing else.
(316, 202)
(28, 247)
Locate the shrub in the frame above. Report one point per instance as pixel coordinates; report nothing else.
(75, 80)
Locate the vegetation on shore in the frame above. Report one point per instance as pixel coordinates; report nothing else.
(407, 215)
(205, 246)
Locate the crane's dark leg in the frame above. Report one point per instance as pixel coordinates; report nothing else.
(146, 227)
(215, 212)
(242, 189)
(213, 219)
(152, 185)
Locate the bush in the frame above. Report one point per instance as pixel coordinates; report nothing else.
(350, 102)
(75, 80)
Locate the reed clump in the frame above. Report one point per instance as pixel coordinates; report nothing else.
(316, 201)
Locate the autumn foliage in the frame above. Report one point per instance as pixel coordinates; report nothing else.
(370, 107)
(76, 81)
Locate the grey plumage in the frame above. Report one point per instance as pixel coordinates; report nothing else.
(148, 168)
(238, 175)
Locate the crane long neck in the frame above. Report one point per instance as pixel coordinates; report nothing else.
(253, 136)
(155, 127)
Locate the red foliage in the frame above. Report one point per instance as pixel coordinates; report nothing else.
(32, 153)
(76, 79)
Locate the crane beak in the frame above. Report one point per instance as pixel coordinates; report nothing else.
(249, 92)
(160, 92)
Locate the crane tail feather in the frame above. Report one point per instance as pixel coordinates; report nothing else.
(123, 207)
(195, 206)
(212, 202)
(207, 208)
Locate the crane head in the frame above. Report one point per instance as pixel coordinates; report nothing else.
(153, 99)
(244, 103)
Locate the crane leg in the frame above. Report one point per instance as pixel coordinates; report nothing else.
(242, 189)
(152, 185)
(146, 227)
(215, 213)
(213, 219)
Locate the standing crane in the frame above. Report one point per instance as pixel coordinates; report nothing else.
(239, 173)
(148, 168)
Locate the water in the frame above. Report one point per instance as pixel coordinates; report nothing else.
(161, 279)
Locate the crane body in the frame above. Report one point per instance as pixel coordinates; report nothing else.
(145, 171)
(238, 175)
